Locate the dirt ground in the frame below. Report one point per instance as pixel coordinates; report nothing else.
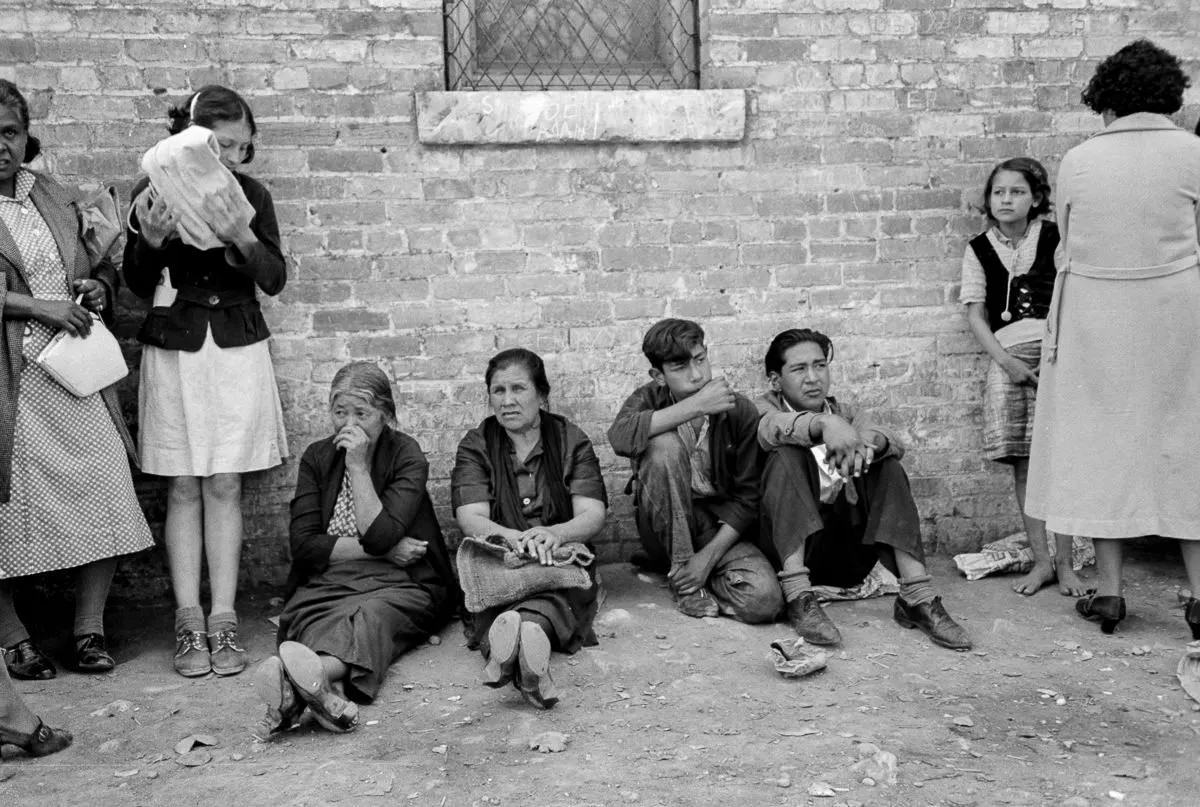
(669, 710)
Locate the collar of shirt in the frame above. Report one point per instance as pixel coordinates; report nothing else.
(825, 407)
(23, 186)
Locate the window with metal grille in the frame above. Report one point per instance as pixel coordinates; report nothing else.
(571, 44)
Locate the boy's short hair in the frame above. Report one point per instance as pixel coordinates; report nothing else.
(788, 339)
(670, 340)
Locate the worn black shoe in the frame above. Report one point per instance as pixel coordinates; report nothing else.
(1191, 612)
(1109, 610)
(91, 654)
(810, 621)
(26, 662)
(931, 617)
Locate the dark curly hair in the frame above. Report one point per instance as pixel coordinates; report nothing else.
(211, 104)
(1140, 77)
(11, 98)
(1034, 173)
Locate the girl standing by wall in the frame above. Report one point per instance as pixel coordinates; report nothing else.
(1007, 280)
(209, 406)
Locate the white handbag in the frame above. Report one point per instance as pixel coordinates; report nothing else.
(84, 365)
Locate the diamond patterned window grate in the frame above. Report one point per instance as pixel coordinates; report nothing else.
(571, 44)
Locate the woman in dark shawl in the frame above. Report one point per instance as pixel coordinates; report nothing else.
(531, 478)
(370, 575)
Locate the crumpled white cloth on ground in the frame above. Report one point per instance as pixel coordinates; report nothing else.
(185, 170)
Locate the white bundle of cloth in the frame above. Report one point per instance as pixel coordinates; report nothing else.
(185, 171)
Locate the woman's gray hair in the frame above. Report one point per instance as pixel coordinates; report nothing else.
(365, 380)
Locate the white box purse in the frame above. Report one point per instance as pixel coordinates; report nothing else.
(84, 365)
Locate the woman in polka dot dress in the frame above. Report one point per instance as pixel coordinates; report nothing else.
(208, 406)
(66, 495)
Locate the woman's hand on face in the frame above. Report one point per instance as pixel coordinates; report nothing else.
(64, 315)
(539, 543)
(94, 293)
(221, 211)
(156, 220)
(408, 551)
(355, 442)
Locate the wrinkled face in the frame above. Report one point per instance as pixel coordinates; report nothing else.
(514, 399)
(348, 409)
(233, 136)
(13, 136)
(804, 377)
(685, 378)
(1011, 198)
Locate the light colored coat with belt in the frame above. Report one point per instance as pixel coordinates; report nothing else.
(1117, 423)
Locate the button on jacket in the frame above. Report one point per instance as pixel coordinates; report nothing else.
(214, 288)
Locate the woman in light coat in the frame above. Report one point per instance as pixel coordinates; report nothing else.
(1117, 429)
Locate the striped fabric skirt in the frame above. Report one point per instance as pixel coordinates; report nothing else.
(1008, 407)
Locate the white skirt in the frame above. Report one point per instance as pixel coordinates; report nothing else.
(214, 411)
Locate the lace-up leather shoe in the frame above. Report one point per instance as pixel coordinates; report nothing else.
(811, 622)
(26, 662)
(932, 619)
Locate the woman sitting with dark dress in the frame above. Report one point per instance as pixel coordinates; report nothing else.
(370, 575)
(531, 478)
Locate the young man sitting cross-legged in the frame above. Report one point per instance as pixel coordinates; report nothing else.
(835, 497)
(692, 440)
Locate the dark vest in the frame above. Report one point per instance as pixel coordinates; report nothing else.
(1031, 292)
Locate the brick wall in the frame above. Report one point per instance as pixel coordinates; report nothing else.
(872, 125)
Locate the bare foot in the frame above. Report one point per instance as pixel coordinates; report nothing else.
(1069, 584)
(1042, 574)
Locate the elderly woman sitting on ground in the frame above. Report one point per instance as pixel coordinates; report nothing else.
(528, 479)
(370, 575)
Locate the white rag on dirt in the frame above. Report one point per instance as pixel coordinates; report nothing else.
(185, 171)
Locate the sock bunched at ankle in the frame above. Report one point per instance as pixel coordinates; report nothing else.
(190, 618)
(794, 584)
(224, 621)
(916, 590)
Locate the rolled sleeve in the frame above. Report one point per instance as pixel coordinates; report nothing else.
(629, 434)
(974, 281)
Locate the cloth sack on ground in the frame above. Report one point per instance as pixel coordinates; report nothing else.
(879, 582)
(493, 573)
(100, 222)
(1013, 555)
(185, 171)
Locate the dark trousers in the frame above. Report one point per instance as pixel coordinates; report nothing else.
(673, 525)
(839, 542)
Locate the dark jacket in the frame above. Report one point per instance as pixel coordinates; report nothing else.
(399, 472)
(215, 287)
(59, 210)
(733, 444)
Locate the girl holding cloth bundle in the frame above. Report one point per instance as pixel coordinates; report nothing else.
(202, 237)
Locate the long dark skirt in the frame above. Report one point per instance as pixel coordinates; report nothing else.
(565, 614)
(366, 613)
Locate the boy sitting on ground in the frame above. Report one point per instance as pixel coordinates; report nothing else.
(835, 498)
(692, 440)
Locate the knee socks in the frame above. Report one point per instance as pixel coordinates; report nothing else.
(917, 590)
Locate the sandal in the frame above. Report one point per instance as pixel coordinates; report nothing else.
(1109, 610)
(40, 742)
(91, 654)
(284, 705)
